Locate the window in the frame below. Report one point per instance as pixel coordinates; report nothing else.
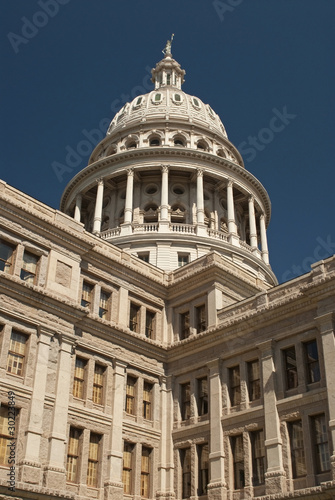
(297, 449)
(200, 312)
(168, 79)
(312, 361)
(147, 400)
(16, 353)
(258, 457)
(238, 460)
(158, 97)
(143, 256)
(178, 142)
(150, 323)
(127, 468)
(98, 379)
(5, 438)
(138, 101)
(29, 268)
(93, 460)
(185, 459)
(130, 395)
(183, 259)
(131, 145)
(177, 98)
(73, 452)
(86, 296)
(145, 472)
(291, 368)
(185, 401)
(202, 396)
(195, 102)
(6, 257)
(134, 317)
(203, 469)
(155, 142)
(254, 383)
(104, 304)
(79, 378)
(234, 386)
(322, 455)
(184, 325)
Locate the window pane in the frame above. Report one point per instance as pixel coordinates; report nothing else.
(98, 384)
(6, 256)
(185, 458)
(254, 380)
(73, 455)
(203, 453)
(184, 325)
(16, 353)
(130, 395)
(312, 361)
(202, 396)
(297, 449)
(201, 318)
(238, 459)
(322, 455)
(258, 457)
(150, 324)
(86, 296)
(235, 387)
(185, 401)
(291, 368)
(5, 438)
(104, 304)
(79, 378)
(29, 266)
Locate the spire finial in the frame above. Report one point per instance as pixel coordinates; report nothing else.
(167, 50)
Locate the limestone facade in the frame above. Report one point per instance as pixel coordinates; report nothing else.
(157, 357)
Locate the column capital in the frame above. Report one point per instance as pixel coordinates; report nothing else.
(165, 168)
(99, 181)
(251, 198)
(200, 172)
(230, 182)
(130, 171)
(262, 217)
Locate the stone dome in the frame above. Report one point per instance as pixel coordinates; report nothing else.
(167, 185)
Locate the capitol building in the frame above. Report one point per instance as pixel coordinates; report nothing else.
(147, 350)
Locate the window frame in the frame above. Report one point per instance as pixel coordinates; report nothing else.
(254, 383)
(98, 385)
(104, 304)
(5, 437)
(146, 472)
(90, 287)
(234, 386)
(185, 325)
(75, 455)
(201, 318)
(185, 401)
(310, 375)
(258, 457)
(93, 461)
(137, 322)
(239, 481)
(26, 275)
(290, 369)
(127, 467)
(16, 355)
(185, 456)
(150, 324)
(203, 399)
(9, 261)
(79, 382)
(295, 449)
(203, 472)
(130, 403)
(147, 403)
(318, 460)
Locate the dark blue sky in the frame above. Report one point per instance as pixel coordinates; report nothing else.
(68, 65)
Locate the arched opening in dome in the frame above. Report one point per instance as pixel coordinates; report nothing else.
(150, 213)
(221, 153)
(154, 141)
(131, 145)
(178, 213)
(179, 140)
(202, 145)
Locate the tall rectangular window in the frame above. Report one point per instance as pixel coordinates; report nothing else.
(73, 453)
(312, 361)
(29, 267)
(5, 438)
(16, 353)
(134, 318)
(145, 472)
(93, 460)
(291, 372)
(185, 401)
(104, 304)
(254, 382)
(185, 459)
(6, 257)
(98, 380)
(86, 294)
(183, 259)
(79, 378)
(127, 468)
(147, 400)
(202, 396)
(297, 449)
(320, 433)
(130, 395)
(258, 457)
(150, 324)
(234, 385)
(201, 318)
(184, 325)
(203, 479)
(238, 460)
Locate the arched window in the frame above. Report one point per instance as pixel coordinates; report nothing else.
(155, 141)
(151, 213)
(202, 145)
(178, 213)
(179, 141)
(131, 145)
(221, 153)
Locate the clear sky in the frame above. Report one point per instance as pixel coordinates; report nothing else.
(68, 65)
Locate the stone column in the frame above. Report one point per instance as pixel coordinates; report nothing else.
(264, 243)
(217, 488)
(252, 223)
(113, 485)
(164, 218)
(275, 478)
(232, 230)
(128, 209)
(201, 229)
(30, 466)
(77, 209)
(54, 473)
(98, 207)
(165, 465)
(325, 324)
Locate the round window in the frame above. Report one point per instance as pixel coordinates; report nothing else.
(151, 189)
(178, 190)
